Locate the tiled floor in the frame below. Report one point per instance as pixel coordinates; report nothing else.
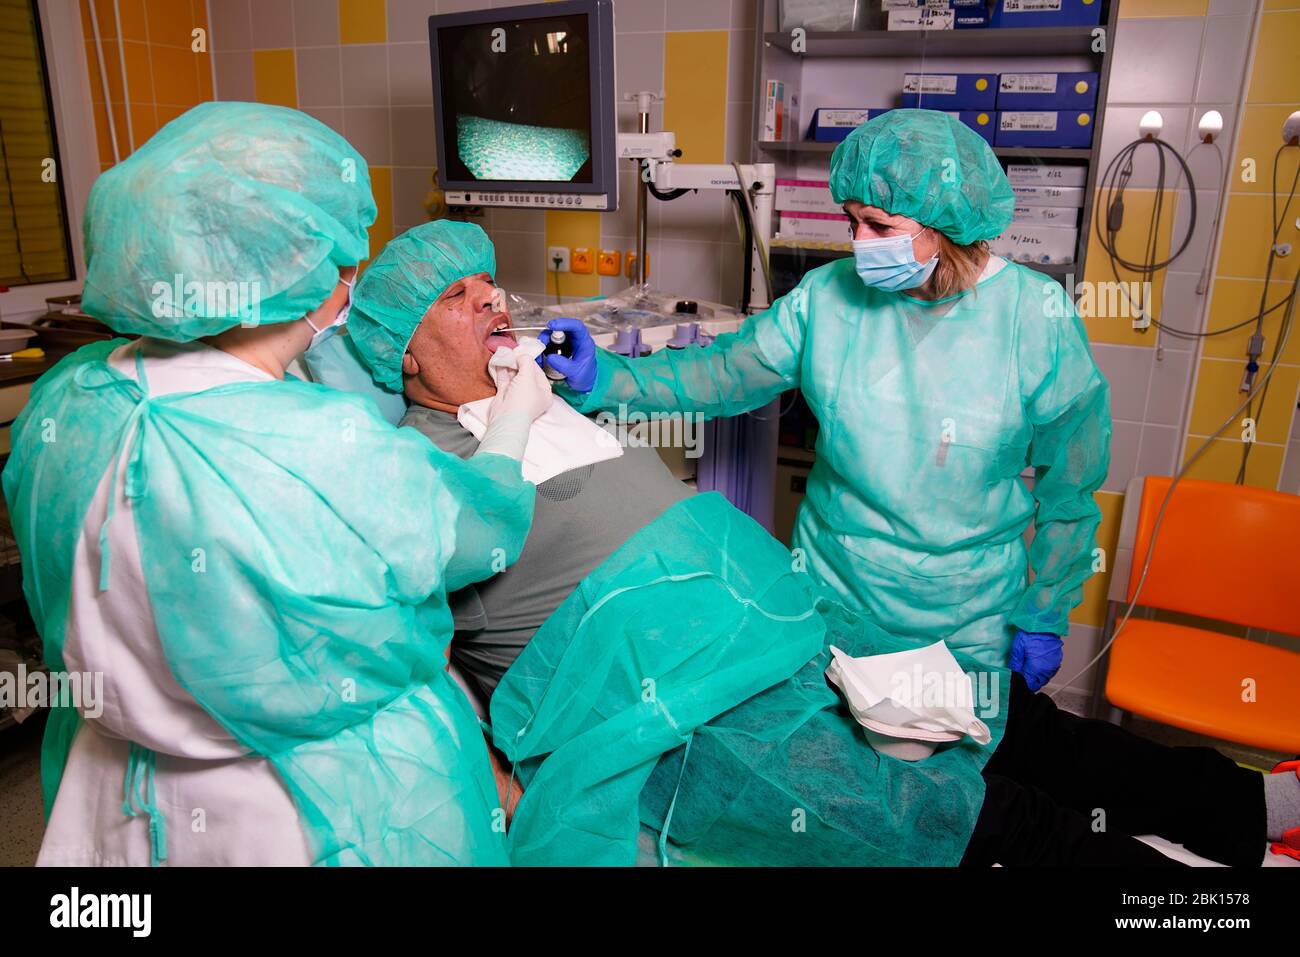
(23, 821)
(20, 794)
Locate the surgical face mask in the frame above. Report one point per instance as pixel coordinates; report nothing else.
(890, 263)
(320, 335)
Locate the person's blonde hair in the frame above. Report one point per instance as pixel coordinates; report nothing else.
(959, 266)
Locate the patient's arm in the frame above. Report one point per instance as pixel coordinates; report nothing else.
(501, 771)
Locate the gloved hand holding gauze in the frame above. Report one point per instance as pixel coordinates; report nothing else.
(909, 701)
(559, 439)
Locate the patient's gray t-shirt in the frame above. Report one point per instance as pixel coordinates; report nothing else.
(581, 517)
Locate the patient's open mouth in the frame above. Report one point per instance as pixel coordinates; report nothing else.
(499, 335)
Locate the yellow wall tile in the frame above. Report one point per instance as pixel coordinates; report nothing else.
(381, 185)
(119, 124)
(102, 137)
(1131, 242)
(203, 67)
(1247, 234)
(1092, 609)
(1236, 300)
(170, 22)
(362, 21)
(133, 19)
(111, 65)
(174, 76)
(1275, 77)
(107, 22)
(569, 228)
(1135, 9)
(168, 113)
(695, 94)
(1221, 462)
(1259, 138)
(274, 77)
(144, 124)
(139, 75)
(1216, 396)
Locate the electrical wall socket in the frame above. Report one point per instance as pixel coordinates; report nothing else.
(557, 252)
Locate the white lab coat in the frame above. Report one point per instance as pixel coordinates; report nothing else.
(221, 806)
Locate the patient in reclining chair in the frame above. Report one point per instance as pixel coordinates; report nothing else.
(655, 660)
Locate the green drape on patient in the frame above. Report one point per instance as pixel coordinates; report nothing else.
(699, 642)
(314, 627)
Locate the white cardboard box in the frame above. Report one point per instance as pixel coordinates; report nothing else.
(1046, 215)
(806, 196)
(813, 227)
(1048, 195)
(1031, 243)
(1047, 174)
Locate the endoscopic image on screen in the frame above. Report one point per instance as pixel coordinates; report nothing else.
(517, 98)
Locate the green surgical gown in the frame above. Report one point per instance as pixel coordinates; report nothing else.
(929, 412)
(297, 551)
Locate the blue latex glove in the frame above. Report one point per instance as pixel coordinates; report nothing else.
(1037, 656)
(579, 371)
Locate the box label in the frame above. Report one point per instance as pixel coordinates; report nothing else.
(1029, 6)
(1036, 122)
(841, 118)
(1028, 83)
(929, 83)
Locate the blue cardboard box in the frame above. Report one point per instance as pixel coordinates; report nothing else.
(983, 122)
(969, 20)
(950, 91)
(1046, 13)
(832, 124)
(1046, 128)
(1047, 91)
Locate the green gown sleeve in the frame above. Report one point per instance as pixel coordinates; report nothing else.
(1069, 410)
(739, 371)
(433, 518)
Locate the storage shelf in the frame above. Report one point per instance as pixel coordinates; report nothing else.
(811, 246)
(833, 61)
(812, 146)
(796, 245)
(1022, 41)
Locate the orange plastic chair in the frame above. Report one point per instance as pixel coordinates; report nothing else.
(1228, 553)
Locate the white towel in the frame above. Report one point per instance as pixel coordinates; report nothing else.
(560, 440)
(920, 695)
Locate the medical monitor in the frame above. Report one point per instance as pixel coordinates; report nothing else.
(524, 105)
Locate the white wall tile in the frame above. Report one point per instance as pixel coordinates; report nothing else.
(365, 68)
(639, 16)
(1227, 43)
(1121, 129)
(1157, 455)
(698, 14)
(232, 25)
(1128, 371)
(272, 25)
(520, 266)
(1155, 61)
(1171, 377)
(1182, 307)
(1125, 439)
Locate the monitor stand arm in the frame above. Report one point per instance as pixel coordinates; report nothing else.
(656, 155)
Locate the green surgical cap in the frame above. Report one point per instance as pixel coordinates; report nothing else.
(397, 289)
(232, 213)
(928, 166)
